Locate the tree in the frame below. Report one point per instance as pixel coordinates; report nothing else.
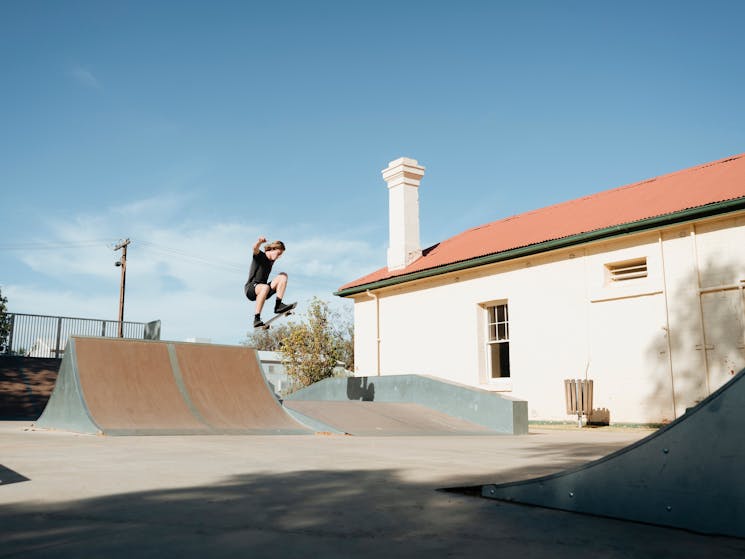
(4, 323)
(312, 350)
(346, 330)
(270, 339)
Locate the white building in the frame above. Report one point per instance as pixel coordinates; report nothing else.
(42, 348)
(638, 288)
(274, 370)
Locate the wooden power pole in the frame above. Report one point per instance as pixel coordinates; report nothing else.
(123, 264)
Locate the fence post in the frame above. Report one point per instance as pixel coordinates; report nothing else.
(9, 348)
(59, 335)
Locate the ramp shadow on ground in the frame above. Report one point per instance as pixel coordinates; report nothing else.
(8, 476)
(355, 513)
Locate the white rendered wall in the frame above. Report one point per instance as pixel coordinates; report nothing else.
(641, 341)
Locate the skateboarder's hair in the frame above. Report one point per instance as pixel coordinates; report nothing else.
(275, 245)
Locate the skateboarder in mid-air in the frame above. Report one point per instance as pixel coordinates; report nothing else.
(258, 288)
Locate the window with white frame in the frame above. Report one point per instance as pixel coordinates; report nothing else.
(498, 341)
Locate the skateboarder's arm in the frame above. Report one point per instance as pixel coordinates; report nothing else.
(257, 245)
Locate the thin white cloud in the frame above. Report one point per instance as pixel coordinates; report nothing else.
(85, 77)
(163, 206)
(188, 274)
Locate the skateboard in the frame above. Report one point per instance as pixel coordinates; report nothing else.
(289, 311)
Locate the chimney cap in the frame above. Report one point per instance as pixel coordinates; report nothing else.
(403, 161)
(403, 168)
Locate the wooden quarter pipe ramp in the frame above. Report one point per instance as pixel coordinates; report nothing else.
(133, 387)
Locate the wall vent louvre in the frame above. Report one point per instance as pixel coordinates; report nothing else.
(627, 270)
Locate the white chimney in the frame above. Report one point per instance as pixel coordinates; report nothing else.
(403, 176)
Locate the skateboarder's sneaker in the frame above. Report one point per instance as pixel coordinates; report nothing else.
(282, 308)
(258, 323)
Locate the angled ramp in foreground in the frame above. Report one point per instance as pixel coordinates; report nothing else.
(135, 387)
(686, 475)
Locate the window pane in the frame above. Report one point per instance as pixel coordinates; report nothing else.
(504, 360)
(501, 313)
(492, 318)
(502, 331)
(500, 360)
(492, 332)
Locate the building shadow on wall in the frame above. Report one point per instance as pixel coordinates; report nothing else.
(358, 388)
(697, 334)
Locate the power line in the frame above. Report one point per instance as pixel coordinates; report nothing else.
(57, 245)
(109, 244)
(190, 256)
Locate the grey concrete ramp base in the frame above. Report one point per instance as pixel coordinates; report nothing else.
(493, 411)
(135, 387)
(687, 475)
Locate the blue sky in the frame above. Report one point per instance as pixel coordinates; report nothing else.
(194, 127)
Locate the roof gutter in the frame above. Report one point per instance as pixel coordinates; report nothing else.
(683, 216)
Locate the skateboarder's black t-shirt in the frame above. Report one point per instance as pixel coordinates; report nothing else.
(261, 266)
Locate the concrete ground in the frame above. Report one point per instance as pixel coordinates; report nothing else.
(66, 495)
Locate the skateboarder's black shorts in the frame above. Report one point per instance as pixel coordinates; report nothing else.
(250, 290)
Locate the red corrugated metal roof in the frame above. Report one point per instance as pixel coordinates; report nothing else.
(710, 183)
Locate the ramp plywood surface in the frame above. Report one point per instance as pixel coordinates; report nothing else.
(228, 390)
(129, 386)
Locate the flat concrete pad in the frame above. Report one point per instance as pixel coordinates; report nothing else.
(309, 496)
(384, 418)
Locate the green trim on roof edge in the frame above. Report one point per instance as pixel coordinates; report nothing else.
(682, 216)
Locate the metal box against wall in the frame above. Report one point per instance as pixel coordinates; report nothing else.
(578, 394)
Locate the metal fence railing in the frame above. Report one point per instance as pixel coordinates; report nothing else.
(35, 335)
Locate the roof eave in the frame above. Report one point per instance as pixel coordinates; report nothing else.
(682, 216)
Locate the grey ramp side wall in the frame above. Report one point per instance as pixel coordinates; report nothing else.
(66, 409)
(494, 411)
(687, 475)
